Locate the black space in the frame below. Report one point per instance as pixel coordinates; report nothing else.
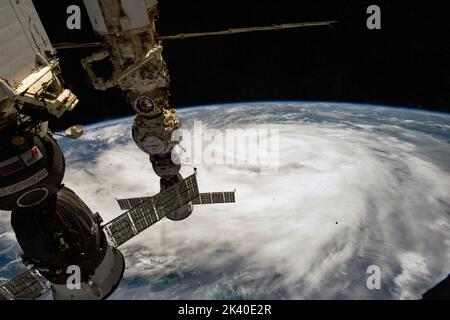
(406, 64)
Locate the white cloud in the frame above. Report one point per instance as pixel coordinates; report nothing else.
(344, 198)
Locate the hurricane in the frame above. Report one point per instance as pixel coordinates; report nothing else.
(355, 186)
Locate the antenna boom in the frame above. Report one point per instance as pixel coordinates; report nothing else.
(246, 30)
(181, 36)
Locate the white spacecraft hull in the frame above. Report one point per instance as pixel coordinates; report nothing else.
(103, 283)
(22, 37)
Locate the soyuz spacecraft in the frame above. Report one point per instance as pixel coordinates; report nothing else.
(53, 226)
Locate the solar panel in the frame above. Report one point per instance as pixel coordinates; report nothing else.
(230, 197)
(128, 204)
(203, 198)
(191, 188)
(143, 218)
(121, 229)
(27, 286)
(215, 197)
(196, 200)
(166, 202)
(145, 212)
(218, 197)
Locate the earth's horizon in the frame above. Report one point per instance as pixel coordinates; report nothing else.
(269, 102)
